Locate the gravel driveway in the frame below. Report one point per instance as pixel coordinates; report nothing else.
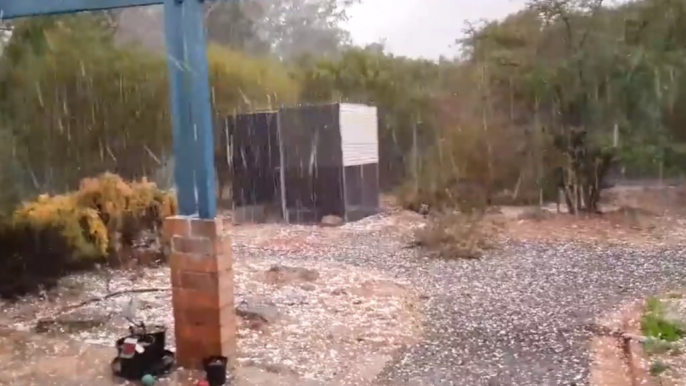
(522, 316)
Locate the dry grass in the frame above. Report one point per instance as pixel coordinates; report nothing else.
(459, 236)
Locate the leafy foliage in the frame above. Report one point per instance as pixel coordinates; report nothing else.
(75, 104)
(285, 29)
(241, 83)
(81, 227)
(93, 219)
(505, 115)
(54, 235)
(654, 324)
(32, 258)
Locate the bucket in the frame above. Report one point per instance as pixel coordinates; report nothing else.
(215, 370)
(154, 356)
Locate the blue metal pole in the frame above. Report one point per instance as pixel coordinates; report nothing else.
(183, 136)
(189, 89)
(10, 9)
(201, 107)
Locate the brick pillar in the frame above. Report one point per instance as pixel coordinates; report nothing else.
(202, 290)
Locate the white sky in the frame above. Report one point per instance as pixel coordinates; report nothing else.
(422, 28)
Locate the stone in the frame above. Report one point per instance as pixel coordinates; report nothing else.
(71, 323)
(339, 292)
(379, 288)
(293, 298)
(256, 310)
(281, 275)
(308, 287)
(279, 368)
(332, 221)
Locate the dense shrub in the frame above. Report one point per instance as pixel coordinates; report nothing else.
(125, 209)
(32, 258)
(54, 235)
(81, 228)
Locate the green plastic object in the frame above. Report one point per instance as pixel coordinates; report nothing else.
(148, 380)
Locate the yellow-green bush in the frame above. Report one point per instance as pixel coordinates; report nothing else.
(104, 210)
(81, 227)
(114, 199)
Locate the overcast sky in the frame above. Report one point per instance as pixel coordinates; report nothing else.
(422, 28)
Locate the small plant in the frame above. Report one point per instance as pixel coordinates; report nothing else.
(658, 367)
(654, 305)
(654, 324)
(654, 346)
(458, 236)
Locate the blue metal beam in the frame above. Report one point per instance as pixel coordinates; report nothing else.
(10, 9)
(189, 89)
(184, 139)
(201, 107)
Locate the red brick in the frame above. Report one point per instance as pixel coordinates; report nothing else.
(192, 263)
(202, 341)
(224, 252)
(207, 282)
(229, 329)
(212, 229)
(193, 245)
(190, 353)
(199, 281)
(188, 299)
(202, 291)
(176, 226)
(210, 332)
(223, 316)
(193, 343)
(205, 333)
(230, 350)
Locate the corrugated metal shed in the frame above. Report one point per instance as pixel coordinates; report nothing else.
(359, 134)
(326, 161)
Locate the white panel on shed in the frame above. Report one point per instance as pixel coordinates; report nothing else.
(359, 134)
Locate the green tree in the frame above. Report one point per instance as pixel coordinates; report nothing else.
(587, 74)
(285, 29)
(77, 104)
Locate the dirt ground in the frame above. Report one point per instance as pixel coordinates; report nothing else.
(380, 312)
(339, 326)
(632, 215)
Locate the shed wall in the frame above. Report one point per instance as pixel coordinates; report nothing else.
(359, 134)
(312, 162)
(255, 158)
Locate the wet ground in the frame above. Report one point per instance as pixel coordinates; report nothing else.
(28, 359)
(524, 315)
(521, 316)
